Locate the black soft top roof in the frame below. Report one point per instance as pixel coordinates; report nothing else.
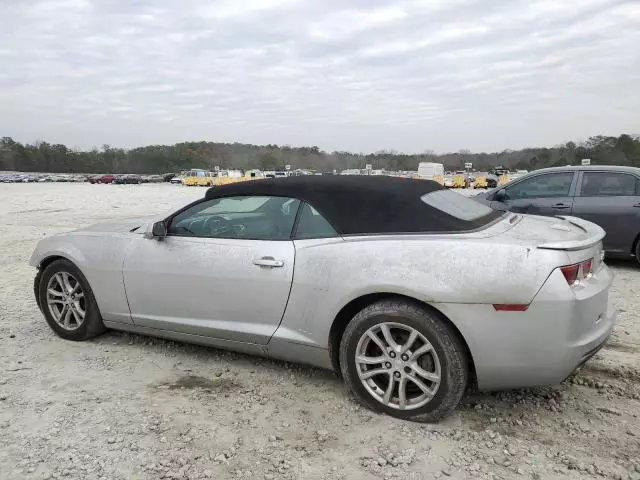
(356, 204)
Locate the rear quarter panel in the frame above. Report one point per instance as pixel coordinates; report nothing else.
(99, 256)
(433, 269)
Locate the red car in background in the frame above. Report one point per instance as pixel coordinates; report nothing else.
(102, 179)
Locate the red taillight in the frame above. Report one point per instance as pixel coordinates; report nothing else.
(503, 307)
(576, 272)
(570, 273)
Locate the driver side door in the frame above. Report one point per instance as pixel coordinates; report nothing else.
(223, 271)
(547, 194)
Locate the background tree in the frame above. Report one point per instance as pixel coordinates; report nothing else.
(46, 157)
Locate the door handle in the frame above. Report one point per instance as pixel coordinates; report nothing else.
(560, 206)
(637, 205)
(269, 262)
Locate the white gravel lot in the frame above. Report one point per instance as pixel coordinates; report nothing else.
(132, 407)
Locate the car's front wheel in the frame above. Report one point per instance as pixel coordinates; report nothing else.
(404, 360)
(67, 302)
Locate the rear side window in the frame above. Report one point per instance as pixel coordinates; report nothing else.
(456, 205)
(540, 186)
(608, 184)
(313, 225)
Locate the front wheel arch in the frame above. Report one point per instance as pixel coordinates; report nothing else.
(44, 263)
(351, 309)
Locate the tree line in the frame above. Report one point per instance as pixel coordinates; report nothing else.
(47, 157)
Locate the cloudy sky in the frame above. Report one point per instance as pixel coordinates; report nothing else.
(358, 75)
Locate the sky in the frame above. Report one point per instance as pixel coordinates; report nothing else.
(352, 75)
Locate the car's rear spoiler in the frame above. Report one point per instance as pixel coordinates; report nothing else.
(595, 235)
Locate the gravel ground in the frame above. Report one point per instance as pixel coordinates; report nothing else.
(132, 407)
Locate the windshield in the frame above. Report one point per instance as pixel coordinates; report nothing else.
(456, 205)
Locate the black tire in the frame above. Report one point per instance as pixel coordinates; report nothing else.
(92, 325)
(636, 251)
(446, 343)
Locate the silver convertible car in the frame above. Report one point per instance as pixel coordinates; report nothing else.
(383, 280)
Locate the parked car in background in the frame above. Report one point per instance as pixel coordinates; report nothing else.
(104, 178)
(152, 179)
(373, 294)
(608, 196)
(128, 179)
(10, 178)
(178, 179)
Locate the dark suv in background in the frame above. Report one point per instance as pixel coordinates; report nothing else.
(608, 196)
(128, 179)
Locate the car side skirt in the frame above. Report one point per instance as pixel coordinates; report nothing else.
(249, 348)
(277, 348)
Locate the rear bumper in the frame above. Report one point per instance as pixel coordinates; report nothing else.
(561, 330)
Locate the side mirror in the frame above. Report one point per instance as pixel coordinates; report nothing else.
(159, 229)
(500, 195)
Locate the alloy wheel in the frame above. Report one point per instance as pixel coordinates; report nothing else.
(66, 301)
(398, 366)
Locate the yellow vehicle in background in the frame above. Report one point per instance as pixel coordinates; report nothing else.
(199, 178)
(232, 176)
(502, 179)
(458, 181)
(203, 178)
(480, 182)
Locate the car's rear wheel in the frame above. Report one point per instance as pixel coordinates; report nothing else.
(68, 303)
(404, 360)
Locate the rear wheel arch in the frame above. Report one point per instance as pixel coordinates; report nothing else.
(346, 314)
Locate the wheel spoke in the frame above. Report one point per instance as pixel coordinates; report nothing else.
(386, 332)
(79, 295)
(52, 301)
(371, 373)
(389, 391)
(76, 316)
(431, 376)
(67, 285)
(427, 347)
(54, 293)
(67, 317)
(410, 341)
(370, 360)
(421, 386)
(75, 288)
(402, 393)
(377, 341)
(61, 313)
(79, 309)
